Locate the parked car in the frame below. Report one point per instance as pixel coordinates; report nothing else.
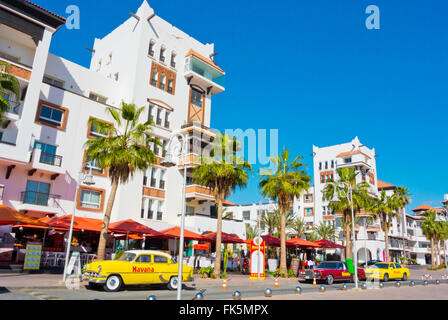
(370, 263)
(387, 270)
(330, 271)
(136, 267)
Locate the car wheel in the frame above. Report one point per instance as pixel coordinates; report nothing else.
(113, 283)
(386, 277)
(405, 276)
(330, 280)
(173, 284)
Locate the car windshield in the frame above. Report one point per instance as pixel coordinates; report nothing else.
(381, 266)
(327, 265)
(127, 256)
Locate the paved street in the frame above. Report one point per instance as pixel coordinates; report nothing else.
(49, 287)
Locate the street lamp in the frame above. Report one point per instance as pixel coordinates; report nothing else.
(355, 253)
(170, 162)
(87, 179)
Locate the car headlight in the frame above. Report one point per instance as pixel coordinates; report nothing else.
(99, 268)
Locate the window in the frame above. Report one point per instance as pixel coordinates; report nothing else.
(154, 78)
(332, 164)
(246, 215)
(326, 165)
(309, 212)
(150, 212)
(159, 211)
(95, 132)
(160, 259)
(151, 48)
(162, 181)
(2, 189)
(320, 165)
(190, 210)
(48, 153)
(98, 98)
(37, 193)
(51, 115)
(196, 98)
(173, 59)
(348, 160)
(96, 170)
(117, 76)
(162, 54)
(90, 199)
(109, 58)
(308, 198)
(144, 258)
(163, 78)
(1, 135)
(53, 81)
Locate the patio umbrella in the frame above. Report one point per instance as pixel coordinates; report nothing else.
(131, 226)
(326, 244)
(79, 223)
(225, 238)
(273, 242)
(174, 233)
(301, 243)
(10, 216)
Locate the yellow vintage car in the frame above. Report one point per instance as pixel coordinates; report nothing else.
(387, 270)
(137, 267)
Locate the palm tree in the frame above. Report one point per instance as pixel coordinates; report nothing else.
(222, 172)
(385, 209)
(123, 151)
(271, 221)
(251, 232)
(403, 198)
(288, 181)
(300, 228)
(8, 85)
(444, 236)
(325, 230)
(336, 193)
(430, 229)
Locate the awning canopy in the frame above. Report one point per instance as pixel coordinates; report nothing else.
(174, 233)
(301, 243)
(132, 227)
(326, 244)
(10, 216)
(79, 224)
(273, 242)
(225, 238)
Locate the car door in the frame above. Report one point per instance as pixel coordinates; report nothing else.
(398, 271)
(392, 272)
(163, 269)
(142, 270)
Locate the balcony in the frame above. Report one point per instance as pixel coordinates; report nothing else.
(36, 201)
(199, 193)
(47, 163)
(354, 159)
(204, 73)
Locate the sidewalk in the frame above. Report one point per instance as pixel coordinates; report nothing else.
(15, 280)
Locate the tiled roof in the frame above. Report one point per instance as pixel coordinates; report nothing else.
(204, 59)
(385, 185)
(423, 207)
(45, 10)
(346, 154)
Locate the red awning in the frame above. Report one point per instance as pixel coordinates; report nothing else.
(174, 233)
(133, 227)
(10, 216)
(128, 237)
(79, 223)
(225, 238)
(301, 243)
(273, 242)
(328, 244)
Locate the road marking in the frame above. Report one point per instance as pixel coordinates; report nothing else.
(39, 295)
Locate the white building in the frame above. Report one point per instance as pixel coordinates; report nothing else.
(145, 61)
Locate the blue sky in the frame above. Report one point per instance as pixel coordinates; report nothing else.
(312, 70)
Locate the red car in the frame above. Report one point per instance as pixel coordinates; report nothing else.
(330, 272)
